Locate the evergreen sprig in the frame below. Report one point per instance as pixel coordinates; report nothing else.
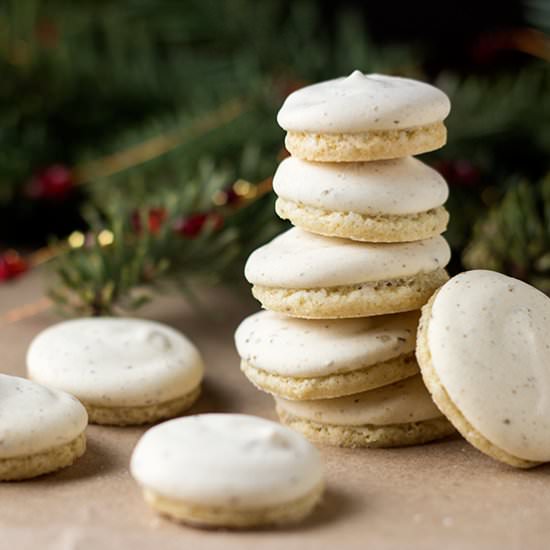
(514, 237)
(122, 275)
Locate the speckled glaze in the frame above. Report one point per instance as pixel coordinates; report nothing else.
(297, 259)
(363, 102)
(34, 418)
(115, 362)
(301, 348)
(399, 403)
(489, 340)
(396, 187)
(226, 460)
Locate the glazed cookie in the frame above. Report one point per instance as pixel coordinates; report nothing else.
(228, 470)
(385, 201)
(364, 117)
(392, 416)
(305, 275)
(125, 371)
(484, 350)
(41, 429)
(314, 359)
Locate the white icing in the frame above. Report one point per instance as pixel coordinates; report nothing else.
(115, 362)
(297, 259)
(34, 418)
(303, 348)
(397, 187)
(226, 460)
(489, 338)
(399, 403)
(363, 102)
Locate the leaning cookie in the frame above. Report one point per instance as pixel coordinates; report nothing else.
(386, 201)
(125, 371)
(41, 429)
(305, 275)
(484, 351)
(228, 470)
(364, 117)
(314, 359)
(392, 416)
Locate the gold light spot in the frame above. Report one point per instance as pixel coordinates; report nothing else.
(105, 237)
(242, 188)
(76, 239)
(219, 198)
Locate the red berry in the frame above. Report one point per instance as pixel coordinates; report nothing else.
(190, 227)
(231, 196)
(458, 172)
(155, 219)
(11, 266)
(4, 269)
(54, 182)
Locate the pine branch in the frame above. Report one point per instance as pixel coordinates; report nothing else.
(515, 236)
(143, 254)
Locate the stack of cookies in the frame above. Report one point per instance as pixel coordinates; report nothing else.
(343, 288)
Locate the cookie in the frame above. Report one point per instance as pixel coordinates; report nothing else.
(397, 200)
(364, 117)
(484, 351)
(396, 415)
(125, 371)
(305, 275)
(41, 429)
(228, 470)
(391, 416)
(314, 359)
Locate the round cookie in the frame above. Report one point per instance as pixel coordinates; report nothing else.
(314, 359)
(125, 371)
(392, 416)
(305, 275)
(364, 117)
(484, 351)
(228, 470)
(42, 429)
(396, 200)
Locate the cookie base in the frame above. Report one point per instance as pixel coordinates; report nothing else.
(360, 300)
(28, 466)
(230, 516)
(445, 404)
(366, 146)
(134, 416)
(380, 228)
(369, 435)
(333, 385)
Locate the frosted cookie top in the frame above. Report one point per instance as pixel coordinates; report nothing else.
(115, 362)
(395, 187)
(226, 460)
(489, 340)
(35, 419)
(303, 348)
(297, 259)
(399, 403)
(363, 102)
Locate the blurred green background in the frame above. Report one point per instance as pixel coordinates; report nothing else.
(145, 117)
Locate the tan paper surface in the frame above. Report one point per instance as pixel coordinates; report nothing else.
(444, 495)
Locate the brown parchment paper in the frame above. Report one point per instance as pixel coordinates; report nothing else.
(443, 495)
